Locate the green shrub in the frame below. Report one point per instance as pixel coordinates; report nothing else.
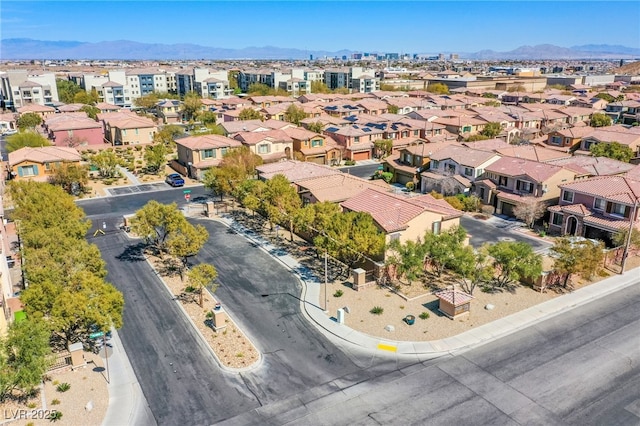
(55, 402)
(338, 293)
(63, 387)
(189, 289)
(424, 315)
(32, 405)
(349, 163)
(377, 310)
(55, 416)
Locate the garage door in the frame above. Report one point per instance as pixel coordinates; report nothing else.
(507, 209)
(317, 160)
(364, 155)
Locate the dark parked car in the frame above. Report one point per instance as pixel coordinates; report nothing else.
(174, 179)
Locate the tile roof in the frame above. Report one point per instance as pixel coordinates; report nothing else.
(488, 144)
(532, 152)
(71, 122)
(614, 188)
(44, 154)
(454, 297)
(339, 187)
(463, 155)
(301, 134)
(595, 166)
(252, 138)
(35, 108)
(294, 170)
(512, 166)
(208, 142)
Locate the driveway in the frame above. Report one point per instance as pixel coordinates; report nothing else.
(482, 232)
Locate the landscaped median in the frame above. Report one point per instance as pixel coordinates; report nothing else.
(231, 346)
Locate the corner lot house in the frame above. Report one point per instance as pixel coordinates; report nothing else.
(196, 154)
(40, 163)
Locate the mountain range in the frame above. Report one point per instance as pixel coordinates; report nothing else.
(23, 48)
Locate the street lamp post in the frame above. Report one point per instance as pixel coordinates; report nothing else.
(326, 282)
(625, 253)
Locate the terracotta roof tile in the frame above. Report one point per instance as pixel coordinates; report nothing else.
(615, 188)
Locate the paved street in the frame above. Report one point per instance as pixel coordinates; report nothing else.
(365, 171)
(579, 368)
(482, 232)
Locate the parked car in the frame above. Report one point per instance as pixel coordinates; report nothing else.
(10, 132)
(174, 179)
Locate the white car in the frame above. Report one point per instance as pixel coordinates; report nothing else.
(9, 132)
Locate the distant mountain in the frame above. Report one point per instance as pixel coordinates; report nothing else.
(22, 48)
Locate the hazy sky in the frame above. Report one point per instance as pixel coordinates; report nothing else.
(402, 26)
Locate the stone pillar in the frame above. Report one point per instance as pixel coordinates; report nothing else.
(358, 278)
(209, 209)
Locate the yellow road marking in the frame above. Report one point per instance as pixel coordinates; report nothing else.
(385, 347)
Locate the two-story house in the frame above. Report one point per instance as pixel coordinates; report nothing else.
(196, 154)
(408, 162)
(404, 218)
(453, 169)
(42, 110)
(74, 129)
(336, 188)
(511, 181)
(596, 208)
(568, 138)
(127, 128)
(40, 163)
(169, 111)
(311, 146)
(356, 140)
(271, 145)
(616, 110)
(610, 135)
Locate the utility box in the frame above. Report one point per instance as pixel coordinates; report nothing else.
(340, 316)
(209, 209)
(219, 319)
(77, 355)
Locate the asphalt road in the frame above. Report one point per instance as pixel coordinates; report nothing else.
(364, 171)
(579, 368)
(483, 232)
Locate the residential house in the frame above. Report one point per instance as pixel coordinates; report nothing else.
(618, 110)
(511, 181)
(594, 166)
(532, 152)
(271, 145)
(169, 111)
(453, 169)
(596, 104)
(407, 163)
(610, 135)
(356, 140)
(336, 188)
(196, 154)
(463, 126)
(294, 170)
(74, 129)
(314, 147)
(8, 121)
(568, 138)
(404, 218)
(127, 128)
(42, 110)
(577, 115)
(596, 208)
(39, 163)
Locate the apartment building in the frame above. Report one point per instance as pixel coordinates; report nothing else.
(21, 87)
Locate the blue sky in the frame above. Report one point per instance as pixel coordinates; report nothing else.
(400, 26)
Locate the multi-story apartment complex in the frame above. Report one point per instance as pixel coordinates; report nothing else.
(22, 87)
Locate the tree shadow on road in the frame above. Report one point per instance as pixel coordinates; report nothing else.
(133, 253)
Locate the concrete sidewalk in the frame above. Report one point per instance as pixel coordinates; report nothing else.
(127, 404)
(312, 287)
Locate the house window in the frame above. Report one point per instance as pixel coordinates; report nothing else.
(224, 150)
(502, 181)
(557, 219)
(567, 196)
(434, 164)
(394, 237)
(435, 228)
(28, 170)
(619, 209)
(208, 153)
(47, 166)
(468, 171)
(451, 168)
(524, 186)
(316, 142)
(466, 129)
(264, 148)
(356, 139)
(556, 140)
(599, 204)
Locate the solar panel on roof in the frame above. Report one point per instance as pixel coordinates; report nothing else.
(332, 129)
(366, 129)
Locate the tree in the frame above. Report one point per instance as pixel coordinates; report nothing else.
(316, 127)
(281, 202)
(106, 162)
(92, 112)
(438, 88)
(157, 223)
(29, 120)
(24, 356)
(614, 150)
(155, 157)
(201, 276)
(250, 114)
(351, 236)
(71, 177)
(25, 139)
(207, 118)
(87, 98)
(599, 119)
(440, 248)
(577, 257)
(607, 97)
(530, 210)
(514, 261)
(191, 106)
(294, 114)
(232, 77)
(491, 130)
(383, 147)
(186, 242)
(167, 135)
(147, 102)
(471, 267)
(407, 259)
(259, 89)
(386, 176)
(393, 109)
(620, 238)
(67, 90)
(319, 87)
(236, 166)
